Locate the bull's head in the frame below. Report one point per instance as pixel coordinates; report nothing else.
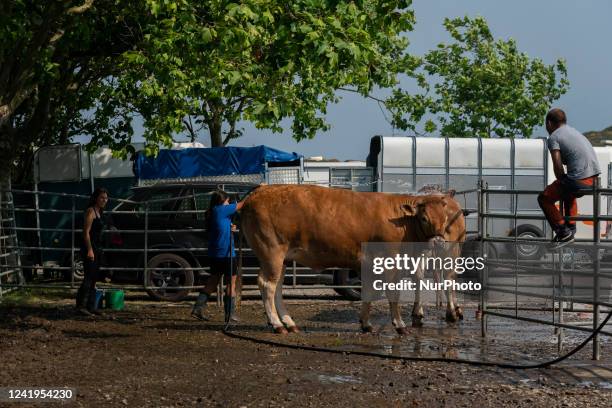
(429, 217)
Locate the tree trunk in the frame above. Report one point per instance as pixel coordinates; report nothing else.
(216, 138)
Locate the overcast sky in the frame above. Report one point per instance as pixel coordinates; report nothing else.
(579, 31)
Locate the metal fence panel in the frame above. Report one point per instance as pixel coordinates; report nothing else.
(284, 175)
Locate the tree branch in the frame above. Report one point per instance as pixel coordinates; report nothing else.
(365, 96)
(230, 133)
(189, 127)
(232, 130)
(7, 110)
(40, 117)
(80, 9)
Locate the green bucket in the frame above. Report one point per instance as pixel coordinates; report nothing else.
(114, 299)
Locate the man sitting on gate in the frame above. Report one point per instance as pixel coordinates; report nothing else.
(570, 147)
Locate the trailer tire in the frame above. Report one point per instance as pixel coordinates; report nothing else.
(79, 268)
(526, 251)
(165, 280)
(345, 277)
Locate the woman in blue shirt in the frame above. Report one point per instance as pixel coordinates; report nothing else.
(221, 254)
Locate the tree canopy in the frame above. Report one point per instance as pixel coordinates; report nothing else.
(71, 67)
(478, 86)
(208, 65)
(56, 57)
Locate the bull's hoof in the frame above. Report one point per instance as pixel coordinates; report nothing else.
(367, 329)
(293, 329)
(417, 321)
(459, 312)
(451, 317)
(402, 331)
(280, 330)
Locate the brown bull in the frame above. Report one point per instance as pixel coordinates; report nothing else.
(323, 228)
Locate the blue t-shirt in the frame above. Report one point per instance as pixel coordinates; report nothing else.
(220, 238)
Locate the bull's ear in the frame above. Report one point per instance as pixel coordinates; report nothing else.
(451, 193)
(409, 209)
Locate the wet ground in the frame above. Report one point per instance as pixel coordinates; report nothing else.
(154, 354)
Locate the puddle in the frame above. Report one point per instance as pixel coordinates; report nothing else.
(338, 379)
(605, 385)
(590, 384)
(507, 341)
(411, 347)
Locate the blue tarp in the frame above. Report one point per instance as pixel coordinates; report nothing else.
(214, 161)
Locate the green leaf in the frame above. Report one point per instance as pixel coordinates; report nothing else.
(235, 77)
(481, 86)
(206, 35)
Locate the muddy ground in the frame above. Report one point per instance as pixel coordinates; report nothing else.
(154, 354)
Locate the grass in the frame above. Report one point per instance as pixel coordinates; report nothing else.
(34, 297)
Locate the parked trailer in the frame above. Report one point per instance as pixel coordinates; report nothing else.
(406, 164)
(65, 176)
(70, 169)
(351, 174)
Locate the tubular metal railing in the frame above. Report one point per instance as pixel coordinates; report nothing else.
(522, 272)
(565, 283)
(295, 275)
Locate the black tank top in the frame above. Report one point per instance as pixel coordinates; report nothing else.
(95, 232)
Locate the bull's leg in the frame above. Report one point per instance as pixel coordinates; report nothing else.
(437, 274)
(417, 308)
(280, 306)
(364, 317)
(453, 311)
(458, 309)
(267, 288)
(396, 315)
(269, 276)
(451, 314)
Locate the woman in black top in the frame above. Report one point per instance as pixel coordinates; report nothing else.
(91, 251)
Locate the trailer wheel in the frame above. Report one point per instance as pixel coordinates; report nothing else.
(162, 283)
(528, 251)
(345, 277)
(79, 269)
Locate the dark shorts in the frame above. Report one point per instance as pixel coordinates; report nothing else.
(223, 266)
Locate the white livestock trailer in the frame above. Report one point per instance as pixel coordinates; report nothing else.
(406, 164)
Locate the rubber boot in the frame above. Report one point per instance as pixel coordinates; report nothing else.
(199, 305)
(81, 300)
(91, 304)
(229, 304)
